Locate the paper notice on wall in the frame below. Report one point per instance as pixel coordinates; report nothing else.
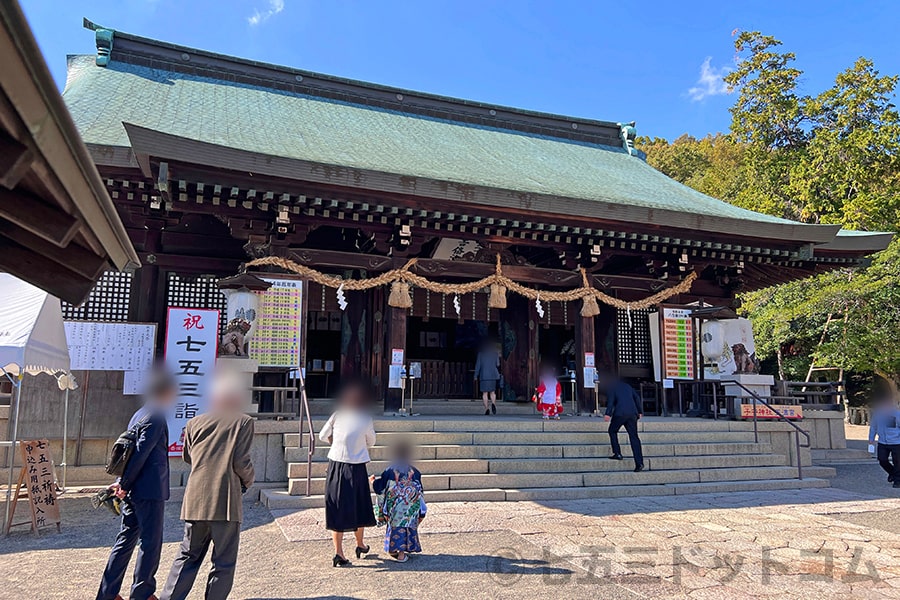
(589, 360)
(135, 382)
(99, 346)
(590, 377)
(394, 379)
(397, 356)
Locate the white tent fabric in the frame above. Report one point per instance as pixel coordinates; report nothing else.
(32, 336)
(32, 341)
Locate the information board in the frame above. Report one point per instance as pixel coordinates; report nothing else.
(192, 336)
(39, 481)
(678, 344)
(277, 336)
(98, 346)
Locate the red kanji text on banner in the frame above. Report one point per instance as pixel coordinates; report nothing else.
(192, 336)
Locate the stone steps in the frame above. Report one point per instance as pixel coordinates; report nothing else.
(520, 424)
(542, 438)
(503, 459)
(658, 470)
(511, 451)
(282, 500)
(512, 458)
(432, 407)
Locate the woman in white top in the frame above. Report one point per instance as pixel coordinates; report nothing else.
(348, 501)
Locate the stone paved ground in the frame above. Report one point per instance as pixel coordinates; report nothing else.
(822, 543)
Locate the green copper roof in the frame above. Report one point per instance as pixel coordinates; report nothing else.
(291, 125)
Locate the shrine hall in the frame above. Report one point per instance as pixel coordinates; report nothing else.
(214, 162)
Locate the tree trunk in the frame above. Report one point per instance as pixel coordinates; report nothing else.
(779, 356)
(891, 381)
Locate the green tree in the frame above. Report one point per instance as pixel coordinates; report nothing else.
(833, 157)
(848, 174)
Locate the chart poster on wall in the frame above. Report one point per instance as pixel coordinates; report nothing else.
(678, 343)
(277, 337)
(192, 336)
(98, 346)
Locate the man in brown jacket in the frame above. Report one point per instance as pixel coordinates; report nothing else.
(217, 446)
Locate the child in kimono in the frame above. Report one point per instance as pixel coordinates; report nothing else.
(549, 394)
(400, 504)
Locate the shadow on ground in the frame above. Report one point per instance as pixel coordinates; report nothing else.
(86, 527)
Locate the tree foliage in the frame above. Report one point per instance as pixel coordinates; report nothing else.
(829, 157)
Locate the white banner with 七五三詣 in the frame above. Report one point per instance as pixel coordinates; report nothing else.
(192, 336)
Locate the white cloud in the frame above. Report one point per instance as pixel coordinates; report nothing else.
(275, 7)
(710, 82)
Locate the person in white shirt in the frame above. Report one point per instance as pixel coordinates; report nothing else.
(348, 501)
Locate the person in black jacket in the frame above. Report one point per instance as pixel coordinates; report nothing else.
(144, 489)
(624, 408)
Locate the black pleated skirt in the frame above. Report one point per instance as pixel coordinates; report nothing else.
(348, 501)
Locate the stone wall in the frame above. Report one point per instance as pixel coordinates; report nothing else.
(826, 429)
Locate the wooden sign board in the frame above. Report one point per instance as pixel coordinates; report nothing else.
(38, 477)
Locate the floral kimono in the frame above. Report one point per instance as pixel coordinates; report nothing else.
(549, 397)
(400, 505)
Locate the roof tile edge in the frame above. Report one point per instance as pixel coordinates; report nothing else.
(113, 45)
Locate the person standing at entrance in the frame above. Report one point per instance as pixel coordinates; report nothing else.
(623, 409)
(144, 489)
(549, 394)
(348, 501)
(885, 426)
(487, 374)
(217, 446)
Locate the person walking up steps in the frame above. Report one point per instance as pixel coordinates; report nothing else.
(623, 409)
(487, 373)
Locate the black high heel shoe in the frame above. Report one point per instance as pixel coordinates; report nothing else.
(360, 550)
(337, 561)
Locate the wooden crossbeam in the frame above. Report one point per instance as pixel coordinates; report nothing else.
(37, 217)
(15, 160)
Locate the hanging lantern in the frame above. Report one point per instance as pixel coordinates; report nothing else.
(497, 298)
(400, 297)
(242, 293)
(589, 307)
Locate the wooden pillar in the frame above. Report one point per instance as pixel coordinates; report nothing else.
(396, 325)
(377, 335)
(353, 336)
(584, 342)
(145, 283)
(518, 340)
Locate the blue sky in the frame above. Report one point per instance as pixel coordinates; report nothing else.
(655, 62)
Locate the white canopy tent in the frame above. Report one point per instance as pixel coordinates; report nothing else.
(32, 341)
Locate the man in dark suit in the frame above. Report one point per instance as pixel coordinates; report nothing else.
(624, 408)
(144, 489)
(217, 446)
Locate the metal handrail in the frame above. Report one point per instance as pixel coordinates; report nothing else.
(304, 410)
(798, 430)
